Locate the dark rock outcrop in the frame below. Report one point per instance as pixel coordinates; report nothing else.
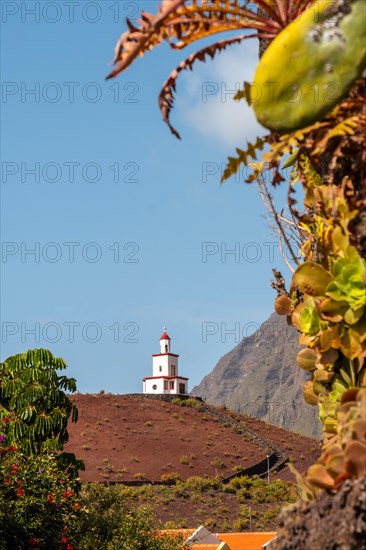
(334, 522)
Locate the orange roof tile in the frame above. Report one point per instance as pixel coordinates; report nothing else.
(246, 541)
(219, 546)
(235, 541)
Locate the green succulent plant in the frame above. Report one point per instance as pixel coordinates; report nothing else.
(344, 454)
(333, 326)
(328, 304)
(347, 291)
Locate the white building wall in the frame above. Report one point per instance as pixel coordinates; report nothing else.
(164, 346)
(166, 362)
(155, 385)
(174, 391)
(161, 385)
(177, 381)
(163, 362)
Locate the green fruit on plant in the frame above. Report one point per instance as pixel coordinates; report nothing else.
(311, 65)
(306, 359)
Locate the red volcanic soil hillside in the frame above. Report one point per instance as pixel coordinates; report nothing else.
(129, 437)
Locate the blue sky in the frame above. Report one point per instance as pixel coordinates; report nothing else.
(129, 228)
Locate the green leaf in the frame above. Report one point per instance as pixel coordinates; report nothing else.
(312, 279)
(290, 161)
(352, 316)
(309, 319)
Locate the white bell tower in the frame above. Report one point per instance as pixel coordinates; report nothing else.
(165, 378)
(164, 342)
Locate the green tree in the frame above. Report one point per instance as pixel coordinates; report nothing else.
(38, 483)
(32, 395)
(36, 407)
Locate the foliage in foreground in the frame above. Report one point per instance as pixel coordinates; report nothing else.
(40, 506)
(111, 522)
(38, 482)
(33, 393)
(38, 502)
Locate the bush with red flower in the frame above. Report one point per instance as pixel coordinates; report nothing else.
(38, 482)
(38, 502)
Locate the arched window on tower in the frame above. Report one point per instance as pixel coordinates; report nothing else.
(166, 348)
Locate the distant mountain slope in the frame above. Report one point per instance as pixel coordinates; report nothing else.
(260, 377)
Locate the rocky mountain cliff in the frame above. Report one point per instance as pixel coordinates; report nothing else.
(260, 377)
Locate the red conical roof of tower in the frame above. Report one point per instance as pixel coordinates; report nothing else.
(164, 336)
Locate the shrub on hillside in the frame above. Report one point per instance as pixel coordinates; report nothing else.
(190, 402)
(111, 525)
(173, 477)
(200, 484)
(257, 489)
